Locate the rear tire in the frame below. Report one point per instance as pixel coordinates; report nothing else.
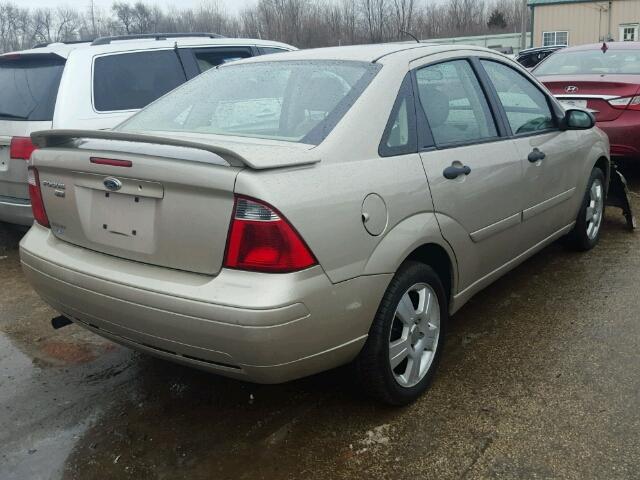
(586, 232)
(404, 345)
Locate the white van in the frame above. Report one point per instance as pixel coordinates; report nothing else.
(94, 85)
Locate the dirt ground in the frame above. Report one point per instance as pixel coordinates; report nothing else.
(539, 379)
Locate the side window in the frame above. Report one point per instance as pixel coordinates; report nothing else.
(454, 103)
(209, 58)
(268, 50)
(131, 81)
(399, 137)
(399, 133)
(526, 106)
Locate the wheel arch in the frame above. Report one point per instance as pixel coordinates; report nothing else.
(417, 237)
(439, 259)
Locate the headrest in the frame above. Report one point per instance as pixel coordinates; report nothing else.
(436, 105)
(321, 93)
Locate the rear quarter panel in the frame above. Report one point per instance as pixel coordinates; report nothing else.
(324, 203)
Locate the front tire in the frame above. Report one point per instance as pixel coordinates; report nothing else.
(586, 233)
(403, 348)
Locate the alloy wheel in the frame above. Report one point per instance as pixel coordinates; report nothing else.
(414, 335)
(595, 209)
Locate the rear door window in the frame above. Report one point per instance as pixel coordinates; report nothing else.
(29, 86)
(131, 81)
(207, 58)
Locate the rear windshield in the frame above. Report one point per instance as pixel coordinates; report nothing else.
(298, 101)
(133, 80)
(594, 62)
(29, 86)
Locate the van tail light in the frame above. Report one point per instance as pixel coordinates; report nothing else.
(626, 103)
(262, 240)
(21, 148)
(37, 205)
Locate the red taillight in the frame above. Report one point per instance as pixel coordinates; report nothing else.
(37, 205)
(626, 103)
(261, 240)
(21, 148)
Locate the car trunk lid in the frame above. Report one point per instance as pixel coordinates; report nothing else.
(592, 92)
(165, 202)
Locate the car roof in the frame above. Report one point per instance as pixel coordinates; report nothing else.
(65, 49)
(373, 53)
(610, 45)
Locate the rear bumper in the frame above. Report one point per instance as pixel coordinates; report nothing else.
(624, 134)
(15, 210)
(257, 327)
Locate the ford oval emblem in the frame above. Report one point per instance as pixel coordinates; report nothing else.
(112, 184)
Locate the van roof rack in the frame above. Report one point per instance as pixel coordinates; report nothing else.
(69, 42)
(152, 36)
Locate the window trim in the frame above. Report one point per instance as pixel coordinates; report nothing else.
(555, 38)
(503, 112)
(405, 94)
(426, 141)
(127, 52)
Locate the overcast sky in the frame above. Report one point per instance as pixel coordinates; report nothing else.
(231, 5)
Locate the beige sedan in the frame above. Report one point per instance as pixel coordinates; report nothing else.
(284, 215)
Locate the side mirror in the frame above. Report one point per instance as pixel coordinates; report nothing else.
(578, 120)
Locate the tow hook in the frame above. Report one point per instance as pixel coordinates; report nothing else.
(59, 322)
(618, 196)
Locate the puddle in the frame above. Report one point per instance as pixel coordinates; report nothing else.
(36, 453)
(42, 457)
(16, 371)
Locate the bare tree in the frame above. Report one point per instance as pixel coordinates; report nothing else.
(375, 14)
(42, 24)
(68, 24)
(304, 23)
(403, 15)
(124, 15)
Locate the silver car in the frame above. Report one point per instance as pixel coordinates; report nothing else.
(285, 215)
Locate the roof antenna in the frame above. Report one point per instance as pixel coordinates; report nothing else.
(410, 35)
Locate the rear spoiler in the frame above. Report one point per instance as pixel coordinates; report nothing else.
(57, 138)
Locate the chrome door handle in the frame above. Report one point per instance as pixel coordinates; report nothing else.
(536, 155)
(453, 172)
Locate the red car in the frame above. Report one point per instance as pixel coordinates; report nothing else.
(604, 79)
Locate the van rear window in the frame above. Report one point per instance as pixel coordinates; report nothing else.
(133, 80)
(29, 86)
